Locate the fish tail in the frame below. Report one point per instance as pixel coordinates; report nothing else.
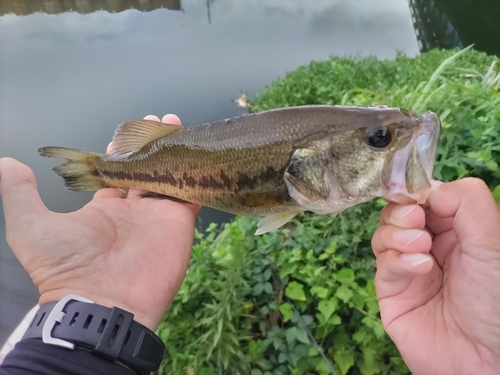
(80, 172)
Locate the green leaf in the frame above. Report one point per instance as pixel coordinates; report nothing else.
(277, 341)
(287, 269)
(341, 340)
(370, 288)
(291, 335)
(286, 311)
(327, 308)
(322, 367)
(335, 320)
(258, 277)
(267, 274)
(295, 291)
(307, 319)
(369, 355)
(345, 275)
(258, 289)
(268, 288)
(301, 335)
(255, 372)
(313, 351)
(319, 291)
(344, 293)
(344, 359)
(496, 194)
(282, 358)
(369, 364)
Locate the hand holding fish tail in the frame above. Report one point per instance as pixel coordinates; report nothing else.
(117, 250)
(438, 270)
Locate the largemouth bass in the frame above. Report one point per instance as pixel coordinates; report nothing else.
(273, 164)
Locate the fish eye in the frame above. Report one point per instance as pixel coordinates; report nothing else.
(379, 137)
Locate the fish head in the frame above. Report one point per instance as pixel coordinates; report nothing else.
(376, 152)
(410, 177)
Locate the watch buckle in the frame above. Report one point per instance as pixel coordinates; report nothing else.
(56, 316)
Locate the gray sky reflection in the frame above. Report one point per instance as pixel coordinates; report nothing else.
(69, 79)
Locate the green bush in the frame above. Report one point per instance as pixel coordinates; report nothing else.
(301, 300)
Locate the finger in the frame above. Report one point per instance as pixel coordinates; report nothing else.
(390, 237)
(471, 207)
(109, 149)
(392, 265)
(436, 224)
(20, 198)
(167, 119)
(404, 216)
(404, 282)
(171, 119)
(110, 193)
(152, 118)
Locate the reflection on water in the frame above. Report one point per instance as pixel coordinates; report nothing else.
(24, 7)
(69, 79)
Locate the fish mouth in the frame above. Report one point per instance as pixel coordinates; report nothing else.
(411, 174)
(426, 143)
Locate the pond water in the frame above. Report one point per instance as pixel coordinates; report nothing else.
(71, 77)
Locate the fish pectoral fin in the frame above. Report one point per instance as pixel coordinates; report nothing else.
(132, 136)
(272, 222)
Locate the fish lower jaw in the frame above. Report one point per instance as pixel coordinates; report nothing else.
(399, 194)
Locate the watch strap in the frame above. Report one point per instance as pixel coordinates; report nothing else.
(108, 332)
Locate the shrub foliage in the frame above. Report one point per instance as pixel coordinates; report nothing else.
(301, 300)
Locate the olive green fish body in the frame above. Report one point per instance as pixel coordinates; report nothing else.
(247, 182)
(272, 164)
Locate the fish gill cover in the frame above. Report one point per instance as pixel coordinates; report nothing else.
(301, 300)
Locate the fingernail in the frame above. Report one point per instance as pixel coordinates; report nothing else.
(416, 259)
(407, 236)
(401, 211)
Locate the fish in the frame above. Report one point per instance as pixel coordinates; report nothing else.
(273, 164)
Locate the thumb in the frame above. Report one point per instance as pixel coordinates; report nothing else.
(20, 199)
(470, 205)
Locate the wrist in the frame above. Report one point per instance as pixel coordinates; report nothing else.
(75, 322)
(149, 319)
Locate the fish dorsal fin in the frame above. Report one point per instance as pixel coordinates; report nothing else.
(274, 221)
(132, 136)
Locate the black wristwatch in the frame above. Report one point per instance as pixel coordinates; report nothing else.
(77, 322)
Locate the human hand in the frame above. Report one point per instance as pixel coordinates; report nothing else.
(438, 277)
(118, 250)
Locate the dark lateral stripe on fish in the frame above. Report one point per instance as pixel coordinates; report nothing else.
(205, 182)
(243, 181)
(166, 178)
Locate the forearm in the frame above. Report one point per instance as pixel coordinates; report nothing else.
(32, 356)
(94, 338)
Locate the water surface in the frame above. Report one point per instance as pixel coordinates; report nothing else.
(70, 78)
